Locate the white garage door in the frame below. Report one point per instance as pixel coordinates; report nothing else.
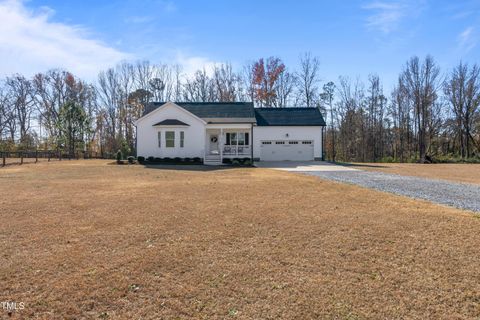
(286, 150)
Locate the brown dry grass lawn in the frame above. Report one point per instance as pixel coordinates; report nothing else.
(88, 240)
(469, 173)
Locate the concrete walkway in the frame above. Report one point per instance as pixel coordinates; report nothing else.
(299, 166)
(458, 195)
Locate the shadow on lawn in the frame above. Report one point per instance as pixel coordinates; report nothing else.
(361, 165)
(194, 167)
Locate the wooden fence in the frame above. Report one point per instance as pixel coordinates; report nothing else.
(21, 157)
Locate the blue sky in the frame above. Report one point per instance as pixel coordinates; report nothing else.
(352, 38)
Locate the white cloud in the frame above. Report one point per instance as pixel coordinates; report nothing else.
(190, 64)
(30, 42)
(387, 15)
(467, 39)
(168, 6)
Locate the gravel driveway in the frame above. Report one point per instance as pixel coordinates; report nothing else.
(459, 195)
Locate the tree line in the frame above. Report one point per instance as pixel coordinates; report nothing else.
(428, 116)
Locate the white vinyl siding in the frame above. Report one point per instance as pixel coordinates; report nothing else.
(287, 143)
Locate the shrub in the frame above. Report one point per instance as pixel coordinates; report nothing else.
(227, 160)
(124, 147)
(157, 159)
(197, 160)
(131, 160)
(119, 156)
(177, 159)
(387, 159)
(236, 161)
(167, 160)
(140, 159)
(247, 161)
(187, 159)
(150, 159)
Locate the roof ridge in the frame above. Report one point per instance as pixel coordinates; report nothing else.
(285, 108)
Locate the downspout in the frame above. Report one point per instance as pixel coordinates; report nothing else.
(136, 142)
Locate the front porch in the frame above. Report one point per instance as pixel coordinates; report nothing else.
(227, 141)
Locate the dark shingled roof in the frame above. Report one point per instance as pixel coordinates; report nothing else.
(289, 117)
(245, 112)
(171, 122)
(212, 109)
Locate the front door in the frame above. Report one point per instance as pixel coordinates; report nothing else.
(214, 144)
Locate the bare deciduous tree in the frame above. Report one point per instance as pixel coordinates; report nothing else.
(308, 80)
(462, 90)
(421, 81)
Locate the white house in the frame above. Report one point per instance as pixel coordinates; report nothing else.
(217, 131)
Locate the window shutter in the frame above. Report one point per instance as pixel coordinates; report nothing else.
(159, 139)
(247, 140)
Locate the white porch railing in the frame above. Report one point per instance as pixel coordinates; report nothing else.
(236, 150)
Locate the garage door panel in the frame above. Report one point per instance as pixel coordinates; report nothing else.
(287, 150)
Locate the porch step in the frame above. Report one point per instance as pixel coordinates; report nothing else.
(212, 163)
(212, 160)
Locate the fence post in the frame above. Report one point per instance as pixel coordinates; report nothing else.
(48, 152)
(59, 155)
(21, 157)
(36, 156)
(3, 159)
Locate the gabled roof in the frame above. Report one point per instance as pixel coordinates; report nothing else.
(171, 122)
(289, 117)
(214, 111)
(244, 112)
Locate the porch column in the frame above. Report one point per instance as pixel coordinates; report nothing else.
(220, 144)
(251, 141)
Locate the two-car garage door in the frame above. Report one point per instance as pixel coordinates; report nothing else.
(286, 150)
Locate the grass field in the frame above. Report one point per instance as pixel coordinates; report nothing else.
(469, 173)
(90, 240)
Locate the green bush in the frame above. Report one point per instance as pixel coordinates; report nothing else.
(197, 160)
(157, 159)
(227, 160)
(177, 159)
(131, 159)
(387, 160)
(119, 156)
(247, 161)
(140, 159)
(188, 160)
(151, 159)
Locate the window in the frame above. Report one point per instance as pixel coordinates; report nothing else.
(292, 142)
(170, 139)
(241, 138)
(306, 142)
(237, 138)
(280, 142)
(266, 142)
(182, 139)
(159, 139)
